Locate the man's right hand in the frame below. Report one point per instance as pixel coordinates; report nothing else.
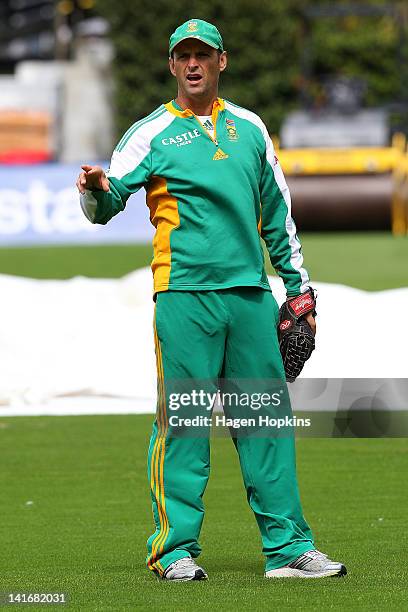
(92, 177)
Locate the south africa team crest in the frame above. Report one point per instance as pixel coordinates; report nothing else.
(231, 130)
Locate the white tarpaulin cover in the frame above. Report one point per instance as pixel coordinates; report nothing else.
(86, 345)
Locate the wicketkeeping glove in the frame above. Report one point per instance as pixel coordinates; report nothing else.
(296, 339)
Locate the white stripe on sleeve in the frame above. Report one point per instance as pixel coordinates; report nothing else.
(296, 258)
(138, 146)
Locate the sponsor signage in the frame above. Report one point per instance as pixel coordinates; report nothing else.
(40, 205)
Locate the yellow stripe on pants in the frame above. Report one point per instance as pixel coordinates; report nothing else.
(157, 460)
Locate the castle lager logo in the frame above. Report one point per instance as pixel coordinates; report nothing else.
(182, 139)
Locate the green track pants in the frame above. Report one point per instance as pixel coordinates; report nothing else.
(206, 335)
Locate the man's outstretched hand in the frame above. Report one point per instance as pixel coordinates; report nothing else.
(92, 177)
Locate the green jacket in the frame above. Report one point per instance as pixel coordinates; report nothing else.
(210, 199)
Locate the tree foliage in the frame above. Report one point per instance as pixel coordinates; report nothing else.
(265, 40)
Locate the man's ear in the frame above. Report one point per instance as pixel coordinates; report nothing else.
(171, 66)
(223, 61)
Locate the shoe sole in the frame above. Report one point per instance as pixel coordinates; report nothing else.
(199, 575)
(289, 572)
(185, 579)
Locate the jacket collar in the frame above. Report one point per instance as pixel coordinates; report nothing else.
(175, 109)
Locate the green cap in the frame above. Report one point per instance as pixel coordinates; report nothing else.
(197, 28)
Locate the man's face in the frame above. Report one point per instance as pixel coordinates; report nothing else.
(197, 68)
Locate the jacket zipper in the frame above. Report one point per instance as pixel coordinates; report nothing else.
(213, 116)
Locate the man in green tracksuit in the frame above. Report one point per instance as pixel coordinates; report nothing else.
(214, 188)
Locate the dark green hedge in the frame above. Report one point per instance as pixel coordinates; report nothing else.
(265, 40)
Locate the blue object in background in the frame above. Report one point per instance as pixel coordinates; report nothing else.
(40, 205)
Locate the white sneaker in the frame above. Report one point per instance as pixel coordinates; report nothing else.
(312, 564)
(184, 569)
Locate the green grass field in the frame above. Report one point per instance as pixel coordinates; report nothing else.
(371, 261)
(84, 532)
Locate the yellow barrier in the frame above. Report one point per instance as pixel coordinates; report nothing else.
(338, 161)
(399, 206)
(366, 160)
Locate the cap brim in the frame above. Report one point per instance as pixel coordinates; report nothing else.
(197, 38)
